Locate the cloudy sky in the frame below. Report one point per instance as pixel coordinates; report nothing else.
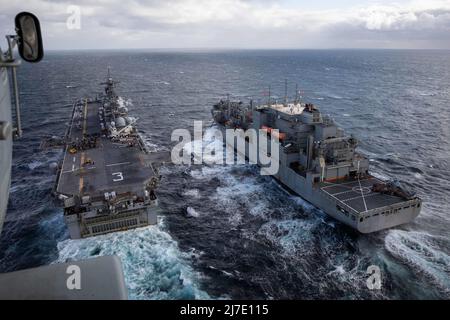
(106, 24)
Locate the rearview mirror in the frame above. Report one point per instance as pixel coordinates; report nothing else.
(30, 41)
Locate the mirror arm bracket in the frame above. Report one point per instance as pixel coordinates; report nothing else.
(8, 56)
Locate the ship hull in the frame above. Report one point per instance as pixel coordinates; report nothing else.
(379, 216)
(98, 225)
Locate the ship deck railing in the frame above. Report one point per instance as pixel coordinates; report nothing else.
(107, 217)
(393, 208)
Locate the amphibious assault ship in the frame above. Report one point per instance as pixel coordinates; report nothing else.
(318, 162)
(108, 178)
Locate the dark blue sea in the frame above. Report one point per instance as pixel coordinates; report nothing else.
(225, 231)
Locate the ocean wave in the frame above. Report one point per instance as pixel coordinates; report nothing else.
(334, 96)
(153, 265)
(423, 253)
(421, 93)
(23, 185)
(162, 82)
(35, 164)
(208, 172)
(153, 147)
(191, 212)
(237, 196)
(292, 235)
(192, 193)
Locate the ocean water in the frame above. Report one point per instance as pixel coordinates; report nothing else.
(225, 231)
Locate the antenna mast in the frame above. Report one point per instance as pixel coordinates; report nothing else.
(285, 92)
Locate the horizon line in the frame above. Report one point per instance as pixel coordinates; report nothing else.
(242, 49)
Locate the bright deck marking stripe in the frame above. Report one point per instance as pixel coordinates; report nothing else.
(347, 191)
(344, 183)
(117, 164)
(360, 188)
(82, 154)
(359, 197)
(81, 176)
(85, 117)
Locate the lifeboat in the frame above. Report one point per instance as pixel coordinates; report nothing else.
(276, 134)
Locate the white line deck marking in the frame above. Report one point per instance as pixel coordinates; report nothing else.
(73, 167)
(362, 197)
(343, 201)
(332, 196)
(336, 194)
(117, 164)
(343, 184)
(360, 188)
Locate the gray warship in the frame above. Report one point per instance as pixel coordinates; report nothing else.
(107, 179)
(319, 162)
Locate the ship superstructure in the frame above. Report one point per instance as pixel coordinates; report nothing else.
(319, 162)
(108, 178)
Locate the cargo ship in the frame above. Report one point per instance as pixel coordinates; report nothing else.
(318, 162)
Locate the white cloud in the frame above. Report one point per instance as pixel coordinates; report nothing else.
(238, 23)
(405, 18)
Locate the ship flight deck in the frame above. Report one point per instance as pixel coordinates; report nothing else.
(103, 168)
(358, 194)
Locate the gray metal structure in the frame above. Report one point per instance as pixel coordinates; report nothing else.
(319, 162)
(5, 142)
(107, 179)
(100, 278)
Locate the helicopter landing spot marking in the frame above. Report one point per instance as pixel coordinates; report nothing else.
(362, 190)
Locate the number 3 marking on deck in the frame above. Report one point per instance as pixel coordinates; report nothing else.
(117, 176)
